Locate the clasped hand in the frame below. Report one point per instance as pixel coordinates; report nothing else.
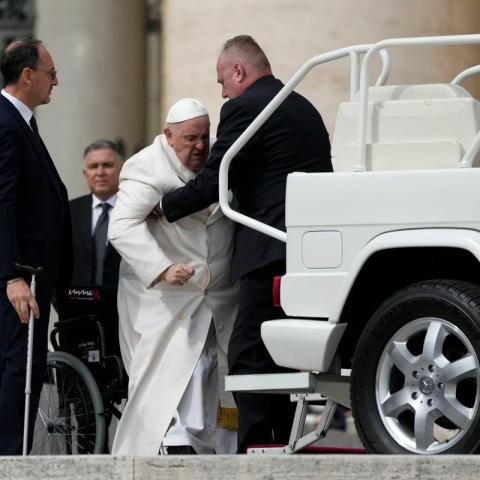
(177, 274)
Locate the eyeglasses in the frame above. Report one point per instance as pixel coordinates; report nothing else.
(52, 73)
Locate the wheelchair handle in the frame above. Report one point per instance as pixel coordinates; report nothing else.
(29, 270)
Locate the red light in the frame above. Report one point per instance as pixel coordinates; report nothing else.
(276, 291)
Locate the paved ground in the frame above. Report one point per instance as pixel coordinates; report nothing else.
(335, 437)
(242, 467)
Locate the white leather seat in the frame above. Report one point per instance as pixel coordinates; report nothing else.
(409, 127)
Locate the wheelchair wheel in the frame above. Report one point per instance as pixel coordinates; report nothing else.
(70, 419)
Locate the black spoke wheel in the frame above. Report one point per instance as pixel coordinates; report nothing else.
(70, 419)
(416, 371)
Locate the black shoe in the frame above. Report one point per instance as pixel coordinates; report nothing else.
(181, 450)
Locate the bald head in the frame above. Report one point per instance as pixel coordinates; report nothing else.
(241, 62)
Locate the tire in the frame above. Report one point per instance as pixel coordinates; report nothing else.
(70, 419)
(416, 371)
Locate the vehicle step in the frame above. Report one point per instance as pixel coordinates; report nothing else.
(335, 387)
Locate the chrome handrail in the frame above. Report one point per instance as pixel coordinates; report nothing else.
(353, 51)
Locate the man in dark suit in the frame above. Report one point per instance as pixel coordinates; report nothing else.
(95, 261)
(294, 138)
(34, 230)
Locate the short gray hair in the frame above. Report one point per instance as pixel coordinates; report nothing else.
(102, 143)
(247, 47)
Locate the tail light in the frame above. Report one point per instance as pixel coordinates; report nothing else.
(276, 291)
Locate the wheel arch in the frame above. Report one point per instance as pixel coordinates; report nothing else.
(394, 260)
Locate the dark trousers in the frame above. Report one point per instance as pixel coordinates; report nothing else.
(13, 360)
(263, 418)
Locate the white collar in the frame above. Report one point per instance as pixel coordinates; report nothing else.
(24, 111)
(96, 201)
(182, 172)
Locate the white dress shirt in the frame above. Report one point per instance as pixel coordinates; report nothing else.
(97, 208)
(24, 111)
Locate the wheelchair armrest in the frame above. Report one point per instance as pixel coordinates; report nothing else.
(77, 323)
(75, 320)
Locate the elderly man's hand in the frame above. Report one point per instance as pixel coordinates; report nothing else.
(177, 274)
(20, 296)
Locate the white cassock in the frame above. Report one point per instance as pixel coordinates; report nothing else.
(164, 328)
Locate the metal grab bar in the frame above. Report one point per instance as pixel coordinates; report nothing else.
(353, 51)
(471, 153)
(396, 42)
(467, 73)
(355, 71)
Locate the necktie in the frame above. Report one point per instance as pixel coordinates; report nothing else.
(100, 243)
(33, 124)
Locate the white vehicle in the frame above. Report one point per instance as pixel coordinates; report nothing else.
(383, 264)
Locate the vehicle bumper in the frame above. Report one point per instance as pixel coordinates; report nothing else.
(302, 344)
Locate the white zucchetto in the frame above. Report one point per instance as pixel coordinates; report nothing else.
(186, 109)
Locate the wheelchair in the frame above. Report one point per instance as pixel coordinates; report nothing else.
(85, 378)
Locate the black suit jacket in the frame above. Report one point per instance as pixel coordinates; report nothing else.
(81, 213)
(34, 217)
(294, 138)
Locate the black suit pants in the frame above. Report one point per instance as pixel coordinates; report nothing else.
(13, 356)
(263, 418)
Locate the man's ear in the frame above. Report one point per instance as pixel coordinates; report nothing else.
(26, 75)
(168, 136)
(239, 72)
